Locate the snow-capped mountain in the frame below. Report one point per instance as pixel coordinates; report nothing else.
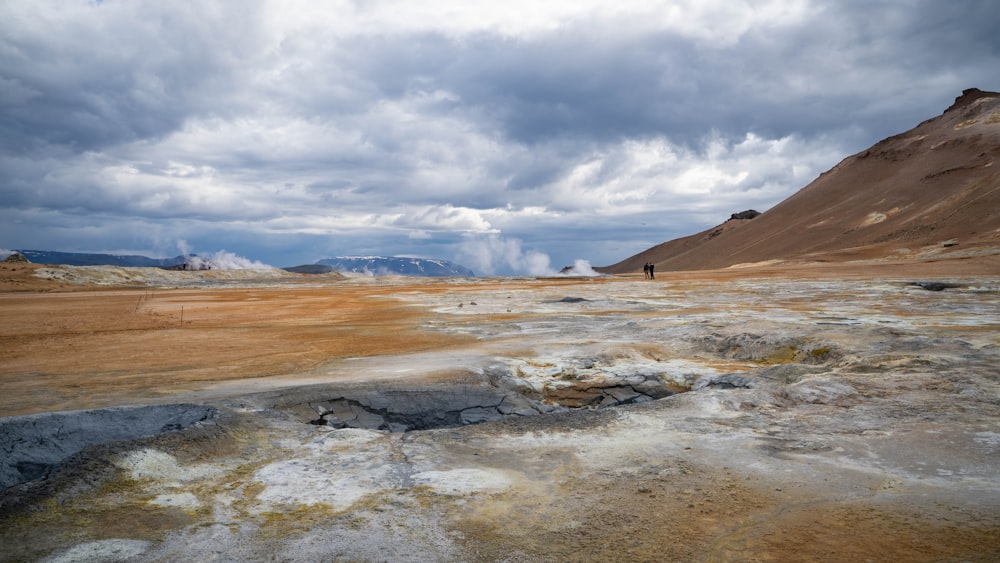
(396, 266)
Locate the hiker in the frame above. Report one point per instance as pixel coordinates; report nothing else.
(651, 276)
(645, 270)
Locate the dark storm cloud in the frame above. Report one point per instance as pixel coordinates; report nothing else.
(844, 70)
(89, 78)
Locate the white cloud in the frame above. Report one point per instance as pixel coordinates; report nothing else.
(443, 217)
(636, 175)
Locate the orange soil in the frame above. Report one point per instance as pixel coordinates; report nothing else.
(75, 347)
(85, 349)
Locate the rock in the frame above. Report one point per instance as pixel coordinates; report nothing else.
(476, 415)
(724, 381)
(748, 214)
(934, 286)
(819, 392)
(516, 405)
(622, 394)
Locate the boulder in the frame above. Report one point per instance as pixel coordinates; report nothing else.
(748, 214)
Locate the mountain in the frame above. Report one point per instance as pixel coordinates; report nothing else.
(374, 265)
(310, 269)
(84, 259)
(395, 266)
(933, 191)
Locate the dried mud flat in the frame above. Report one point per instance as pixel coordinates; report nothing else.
(822, 413)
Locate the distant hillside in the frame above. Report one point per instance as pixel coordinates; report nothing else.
(372, 265)
(395, 266)
(84, 259)
(310, 269)
(929, 192)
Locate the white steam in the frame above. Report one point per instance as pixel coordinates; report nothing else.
(494, 254)
(580, 269)
(182, 245)
(221, 260)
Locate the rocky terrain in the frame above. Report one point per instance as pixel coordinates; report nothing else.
(767, 416)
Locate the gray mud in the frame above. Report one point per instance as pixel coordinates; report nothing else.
(34, 445)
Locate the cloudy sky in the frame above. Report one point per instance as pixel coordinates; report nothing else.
(508, 136)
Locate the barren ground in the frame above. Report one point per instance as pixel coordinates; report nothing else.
(833, 413)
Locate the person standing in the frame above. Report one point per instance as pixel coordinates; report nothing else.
(651, 276)
(645, 270)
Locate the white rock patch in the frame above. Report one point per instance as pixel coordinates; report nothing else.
(103, 551)
(459, 482)
(153, 464)
(177, 500)
(337, 468)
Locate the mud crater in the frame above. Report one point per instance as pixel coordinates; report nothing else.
(519, 388)
(34, 445)
(499, 393)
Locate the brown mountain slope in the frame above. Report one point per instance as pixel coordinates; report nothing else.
(931, 191)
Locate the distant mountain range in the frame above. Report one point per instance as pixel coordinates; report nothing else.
(931, 192)
(396, 266)
(371, 265)
(85, 259)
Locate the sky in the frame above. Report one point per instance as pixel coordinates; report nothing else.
(512, 137)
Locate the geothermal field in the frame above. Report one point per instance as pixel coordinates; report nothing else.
(823, 412)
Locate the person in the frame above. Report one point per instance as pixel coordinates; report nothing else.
(645, 270)
(651, 276)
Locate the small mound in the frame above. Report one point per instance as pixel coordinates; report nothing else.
(17, 258)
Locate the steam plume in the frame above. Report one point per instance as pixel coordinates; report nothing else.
(221, 260)
(494, 254)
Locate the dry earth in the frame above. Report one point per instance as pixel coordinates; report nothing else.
(827, 412)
